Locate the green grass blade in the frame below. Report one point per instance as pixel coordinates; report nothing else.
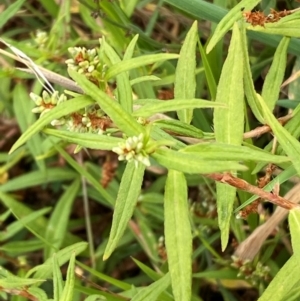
(58, 222)
(178, 235)
(274, 78)
(122, 119)
(229, 123)
(22, 222)
(289, 143)
(152, 291)
(68, 291)
(185, 82)
(82, 171)
(63, 256)
(36, 178)
(58, 282)
(10, 11)
(126, 200)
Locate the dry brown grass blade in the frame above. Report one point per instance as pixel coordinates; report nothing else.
(251, 246)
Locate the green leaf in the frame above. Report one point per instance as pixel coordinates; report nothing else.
(185, 82)
(211, 82)
(21, 247)
(113, 281)
(88, 140)
(285, 280)
(280, 179)
(22, 222)
(68, 292)
(58, 222)
(82, 171)
(290, 28)
(227, 22)
(250, 92)
(222, 151)
(152, 291)
(179, 128)
(36, 178)
(124, 92)
(294, 223)
(289, 143)
(137, 62)
(229, 123)
(63, 109)
(45, 270)
(274, 78)
(124, 121)
(126, 200)
(10, 11)
(192, 162)
(25, 118)
(202, 10)
(13, 282)
(155, 106)
(178, 235)
(58, 282)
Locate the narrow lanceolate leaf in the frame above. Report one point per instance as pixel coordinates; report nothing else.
(120, 117)
(58, 282)
(274, 78)
(290, 28)
(284, 281)
(67, 294)
(176, 104)
(185, 82)
(294, 223)
(63, 109)
(227, 22)
(229, 123)
(88, 140)
(123, 84)
(58, 222)
(10, 11)
(192, 162)
(178, 235)
(153, 291)
(290, 144)
(248, 81)
(222, 151)
(45, 270)
(126, 200)
(137, 62)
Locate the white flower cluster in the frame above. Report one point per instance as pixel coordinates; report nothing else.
(46, 102)
(132, 150)
(83, 60)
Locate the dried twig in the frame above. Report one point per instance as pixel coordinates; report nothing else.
(252, 244)
(229, 179)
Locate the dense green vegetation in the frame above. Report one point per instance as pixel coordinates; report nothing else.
(149, 150)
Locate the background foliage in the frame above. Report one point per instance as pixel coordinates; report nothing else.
(205, 94)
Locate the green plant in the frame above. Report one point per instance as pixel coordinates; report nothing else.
(111, 106)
